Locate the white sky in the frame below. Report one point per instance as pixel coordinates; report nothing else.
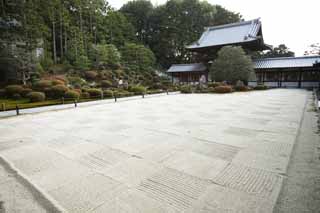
(295, 23)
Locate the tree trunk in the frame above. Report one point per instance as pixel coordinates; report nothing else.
(54, 42)
(61, 36)
(65, 40)
(3, 8)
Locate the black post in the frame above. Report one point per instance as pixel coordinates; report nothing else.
(142, 95)
(62, 99)
(3, 107)
(75, 103)
(17, 109)
(115, 98)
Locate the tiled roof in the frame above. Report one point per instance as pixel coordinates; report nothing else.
(199, 67)
(286, 62)
(229, 34)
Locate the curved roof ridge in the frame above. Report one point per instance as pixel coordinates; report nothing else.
(233, 24)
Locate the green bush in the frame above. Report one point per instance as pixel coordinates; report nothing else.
(214, 84)
(106, 84)
(260, 87)
(154, 91)
(57, 82)
(120, 94)
(42, 84)
(72, 94)
(58, 91)
(242, 88)
(39, 68)
(85, 95)
(25, 92)
(186, 89)
(2, 92)
(94, 93)
(36, 96)
(13, 89)
(16, 96)
(108, 93)
(91, 75)
(138, 90)
(222, 89)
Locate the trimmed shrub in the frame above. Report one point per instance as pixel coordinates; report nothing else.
(242, 88)
(16, 96)
(36, 96)
(108, 93)
(260, 87)
(120, 94)
(222, 89)
(214, 84)
(25, 92)
(106, 84)
(85, 95)
(13, 89)
(57, 82)
(2, 92)
(58, 91)
(94, 93)
(138, 90)
(91, 75)
(72, 94)
(42, 84)
(186, 89)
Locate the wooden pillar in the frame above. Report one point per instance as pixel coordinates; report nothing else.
(300, 78)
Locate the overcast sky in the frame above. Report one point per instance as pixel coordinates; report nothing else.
(295, 23)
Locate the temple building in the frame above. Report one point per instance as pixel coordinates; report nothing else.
(296, 72)
(300, 72)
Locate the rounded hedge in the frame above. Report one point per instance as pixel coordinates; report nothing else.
(106, 84)
(2, 92)
(59, 91)
(94, 93)
(13, 89)
(57, 82)
(138, 90)
(242, 88)
(43, 84)
(72, 94)
(186, 89)
(25, 92)
(223, 89)
(91, 75)
(260, 87)
(16, 96)
(85, 95)
(36, 96)
(108, 93)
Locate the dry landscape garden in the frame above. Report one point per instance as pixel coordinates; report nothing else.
(177, 107)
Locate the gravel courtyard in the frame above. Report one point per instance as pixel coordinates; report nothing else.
(176, 153)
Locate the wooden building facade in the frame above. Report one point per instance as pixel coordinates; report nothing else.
(288, 72)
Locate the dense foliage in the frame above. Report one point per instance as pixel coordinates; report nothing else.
(231, 65)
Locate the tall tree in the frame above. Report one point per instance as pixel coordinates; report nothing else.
(231, 65)
(139, 12)
(314, 49)
(281, 51)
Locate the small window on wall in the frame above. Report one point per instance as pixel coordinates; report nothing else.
(309, 76)
(290, 76)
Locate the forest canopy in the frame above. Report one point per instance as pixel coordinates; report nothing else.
(69, 31)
